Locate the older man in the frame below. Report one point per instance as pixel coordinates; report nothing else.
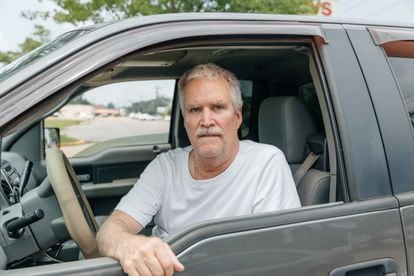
(218, 176)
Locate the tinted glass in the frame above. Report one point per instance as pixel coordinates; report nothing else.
(404, 72)
(40, 52)
(246, 87)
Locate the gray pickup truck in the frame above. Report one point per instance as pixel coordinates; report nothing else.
(341, 91)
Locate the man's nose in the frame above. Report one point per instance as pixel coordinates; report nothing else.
(207, 118)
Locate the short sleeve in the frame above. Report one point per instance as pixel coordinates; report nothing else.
(276, 190)
(143, 201)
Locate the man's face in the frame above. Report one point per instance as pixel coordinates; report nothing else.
(210, 118)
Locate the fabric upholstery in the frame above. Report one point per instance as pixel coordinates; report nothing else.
(314, 187)
(286, 123)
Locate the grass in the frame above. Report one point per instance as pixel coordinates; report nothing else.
(60, 123)
(67, 141)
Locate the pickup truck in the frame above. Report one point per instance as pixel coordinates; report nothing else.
(341, 91)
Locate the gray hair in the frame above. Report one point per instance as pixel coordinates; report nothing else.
(211, 71)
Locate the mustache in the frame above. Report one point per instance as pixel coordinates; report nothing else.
(209, 131)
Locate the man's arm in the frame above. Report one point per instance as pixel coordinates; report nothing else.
(138, 255)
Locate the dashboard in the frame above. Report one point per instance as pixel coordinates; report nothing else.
(12, 182)
(30, 217)
(17, 177)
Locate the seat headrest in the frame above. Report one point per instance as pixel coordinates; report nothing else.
(286, 123)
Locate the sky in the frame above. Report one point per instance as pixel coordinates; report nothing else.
(130, 92)
(14, 29)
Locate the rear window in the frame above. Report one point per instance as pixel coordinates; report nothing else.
(401, 58)
(246, 87)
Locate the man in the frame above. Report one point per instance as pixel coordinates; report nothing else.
(218, 176)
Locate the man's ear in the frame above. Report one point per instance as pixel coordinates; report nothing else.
(239, 116)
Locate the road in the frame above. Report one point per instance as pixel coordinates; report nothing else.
(107, 128)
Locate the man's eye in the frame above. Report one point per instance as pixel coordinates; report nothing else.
(219, 107)
(194, 110)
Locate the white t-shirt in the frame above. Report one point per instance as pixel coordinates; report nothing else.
(258, 180)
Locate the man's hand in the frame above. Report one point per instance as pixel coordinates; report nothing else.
(138, 255)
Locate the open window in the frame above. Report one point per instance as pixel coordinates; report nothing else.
(281, 96)
(120, 114)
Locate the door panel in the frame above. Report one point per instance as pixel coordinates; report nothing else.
(311, 241)
(112, 173)
(389, 97)
(117, 163)
(297, 243)
(104, 197)
(407, 215)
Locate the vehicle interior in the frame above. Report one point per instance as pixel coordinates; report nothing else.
(284, 105)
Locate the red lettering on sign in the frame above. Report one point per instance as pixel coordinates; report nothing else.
(326, 9)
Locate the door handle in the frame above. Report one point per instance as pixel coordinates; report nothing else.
(84, 177)
(385, 267)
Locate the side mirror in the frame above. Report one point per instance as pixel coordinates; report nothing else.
(52, 137)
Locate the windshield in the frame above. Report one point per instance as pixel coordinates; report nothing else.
(40, 52)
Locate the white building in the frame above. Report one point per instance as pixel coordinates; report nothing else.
(77, 111)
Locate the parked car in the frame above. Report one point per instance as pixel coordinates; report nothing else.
(340, 90)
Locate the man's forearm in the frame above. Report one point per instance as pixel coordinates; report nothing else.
(117, 238)
(111, 235)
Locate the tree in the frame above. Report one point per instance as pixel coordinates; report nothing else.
(39, 37)
(80, 100)
(150, 106)
(97, 11)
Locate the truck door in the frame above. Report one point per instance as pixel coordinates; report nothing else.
(389, 52)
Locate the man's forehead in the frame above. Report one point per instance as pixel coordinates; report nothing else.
(197, 101)
(204, 83)
(207, 91)
(208, 79)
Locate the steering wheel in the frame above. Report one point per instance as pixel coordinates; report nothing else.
(77, 212)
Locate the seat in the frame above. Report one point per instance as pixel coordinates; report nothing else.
(286, 123)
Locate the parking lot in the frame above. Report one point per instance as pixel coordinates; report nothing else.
(108, 128)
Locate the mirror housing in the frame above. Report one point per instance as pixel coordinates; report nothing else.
(52, 137)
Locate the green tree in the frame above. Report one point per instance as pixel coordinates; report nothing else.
(80, 100)
(97, 11)
(272, 6)
(39, 37)
(150, 106)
